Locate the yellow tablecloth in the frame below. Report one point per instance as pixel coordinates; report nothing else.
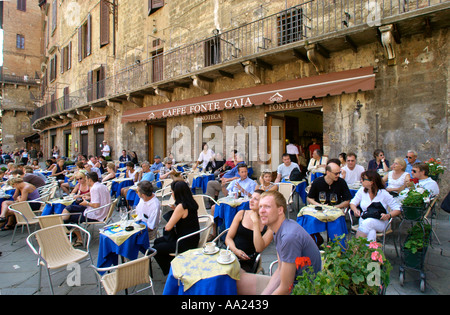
(231, 201)
(118, 234)
(66, 202)
(192, 266)
(328, 213)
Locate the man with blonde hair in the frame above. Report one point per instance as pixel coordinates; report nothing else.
(411, 159)
(291, 242)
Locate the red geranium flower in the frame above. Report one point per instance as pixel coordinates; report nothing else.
(302, 262)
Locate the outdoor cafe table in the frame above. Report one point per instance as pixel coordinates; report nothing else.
(132, 196)
(329, 219)
(196, 273)
(115, 240)
(201, 181)
(118, 184)
(300, 187)
(57, 205)
(227, 208)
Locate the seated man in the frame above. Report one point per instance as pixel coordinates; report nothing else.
(148, 208)
(331, 183)
(291, 241)
(351, 172)
(100, 198)
(411, 159)
(420, 171)
(157, 165)
(146, 173)
(285, 169)
(215, 186)
(244, 186)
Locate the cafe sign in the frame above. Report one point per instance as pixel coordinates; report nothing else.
(297, 105)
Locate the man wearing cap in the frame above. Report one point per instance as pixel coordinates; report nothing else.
(106, 150)
(157, 165)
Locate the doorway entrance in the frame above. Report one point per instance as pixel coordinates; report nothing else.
(157, 140)
(299, 127)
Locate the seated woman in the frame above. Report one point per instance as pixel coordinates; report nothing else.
(82, 187)
(110, 172)
(24, 191)
(50, 164)
(397, 179)
(265, 182)
(372, 190)
(59, 172)
(130, 173)
(247, 236)
(168, 170)
(379, 162)
(317, 164)
(35, 164)
(183, 221)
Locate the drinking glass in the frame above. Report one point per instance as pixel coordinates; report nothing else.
(322, 197)
(333, 199)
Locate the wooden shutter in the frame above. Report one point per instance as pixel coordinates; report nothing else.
(80, 43)
(104, 23)
(54, 13)
(66, 98)
(69, 56)
(90, 86)
(101, 83)
(63, 52)
(88, 35)
(154, 5)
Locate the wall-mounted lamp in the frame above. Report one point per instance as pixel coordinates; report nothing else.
(215, 32)
(358, 109)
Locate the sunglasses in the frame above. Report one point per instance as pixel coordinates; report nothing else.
(409, 157)
(337, 173)
(365, 179)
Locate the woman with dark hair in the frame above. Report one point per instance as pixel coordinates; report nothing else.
(379, 162)
(182, 221)
(373, 191)
(205, 157)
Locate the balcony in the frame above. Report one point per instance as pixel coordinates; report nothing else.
(329, 25)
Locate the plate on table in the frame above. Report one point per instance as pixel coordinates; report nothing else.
(215, 251)
(221, 261)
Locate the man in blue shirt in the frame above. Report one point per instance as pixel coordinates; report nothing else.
(411, 158)
(244, 185)
(215, 186)
(157, 165)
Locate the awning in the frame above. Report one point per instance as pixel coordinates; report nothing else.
(87, 122)
(349, 81)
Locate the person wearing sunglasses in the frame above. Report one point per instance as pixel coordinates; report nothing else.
(379, 161)
(420, 172)
(411, 159)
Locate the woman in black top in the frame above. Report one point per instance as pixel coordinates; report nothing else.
(183, 221)
(247, 236)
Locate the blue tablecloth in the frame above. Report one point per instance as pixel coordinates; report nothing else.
(117, 186)
(218, 285)
(132, 197)
(313, 225)
(53, 208)
(224, 213)
(316, 175)
(201, 182)
(108, 251)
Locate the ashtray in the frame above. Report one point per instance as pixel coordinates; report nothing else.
(318, 208)
(129, 228)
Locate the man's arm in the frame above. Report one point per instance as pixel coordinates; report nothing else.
(282, 279)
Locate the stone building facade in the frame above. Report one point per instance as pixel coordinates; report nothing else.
(20, 72)
(355, 75)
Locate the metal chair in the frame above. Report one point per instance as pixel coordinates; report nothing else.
(55, 250)
(430, 212)
(204, 232)
(25, 216)
(126, 275)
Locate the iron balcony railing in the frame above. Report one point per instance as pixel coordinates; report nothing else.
(307, 20)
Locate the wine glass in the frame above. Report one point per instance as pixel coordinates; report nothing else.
(123, 215)
(322, 197)
(333, 199)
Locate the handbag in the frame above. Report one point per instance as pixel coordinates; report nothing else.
(374, 210)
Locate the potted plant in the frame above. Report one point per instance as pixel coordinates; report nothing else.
(435, 168)
(416, 244)
(359, 269)
(414, 203)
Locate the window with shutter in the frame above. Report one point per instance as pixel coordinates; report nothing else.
(69, 56)
(154, 5)
(66, 98)
(54, 15)
(63, 57)
(22, 5)
(90, 86)
(104, 23)
(85, 39)
(88, 35)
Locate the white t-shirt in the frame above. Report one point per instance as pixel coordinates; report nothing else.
(353, 176)
(101, 195)
(285, 171)
(204, 158)
(149, 212)
(430, 185)
(106, 150)
(291, 149)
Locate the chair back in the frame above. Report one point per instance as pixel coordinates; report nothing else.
(53, 244)
(111, 209)
(46, 221)
(23, 212)
(206, 223)
(286, 190)
(130, 274)
(190, 178)
(201, 204)
(431, 206)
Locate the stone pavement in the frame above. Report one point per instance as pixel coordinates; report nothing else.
(19, 271)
